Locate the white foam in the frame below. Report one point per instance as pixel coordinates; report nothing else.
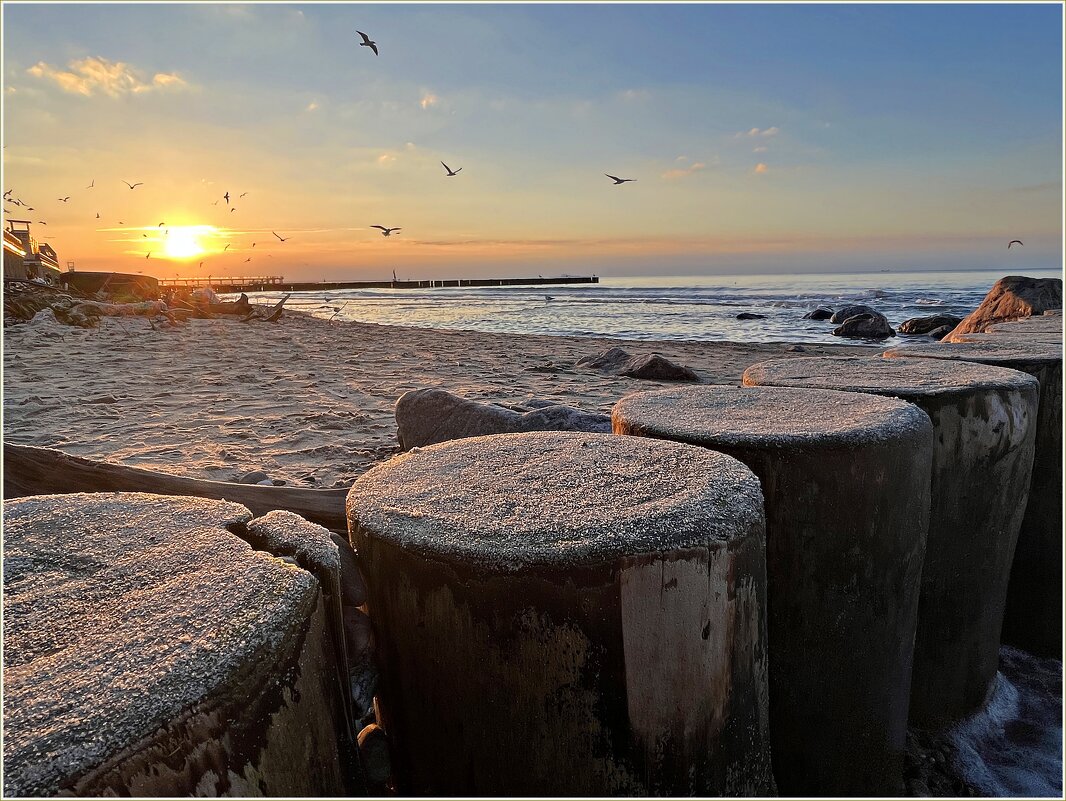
(1013, 747)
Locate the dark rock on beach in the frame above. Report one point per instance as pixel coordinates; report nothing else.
(872, 325)
(750, 316)
(821, 313)
(850, 311)
(940, 333)
(428, 416)
(925, 325)
(652, 367)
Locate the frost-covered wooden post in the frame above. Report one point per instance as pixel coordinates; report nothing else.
(568, 614)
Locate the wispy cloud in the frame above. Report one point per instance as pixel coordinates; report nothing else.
(772, 131)
(96, 75)
(760, 149)
(428, 99)
(682, 172)
(761, 168)
(311, 106)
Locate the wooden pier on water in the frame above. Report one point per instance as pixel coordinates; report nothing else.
(277, 283)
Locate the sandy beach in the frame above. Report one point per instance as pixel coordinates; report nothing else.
(306, 401)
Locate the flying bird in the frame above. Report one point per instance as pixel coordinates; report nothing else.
(1020, 242)
(452, 172)
(253, 244)
(367, 43)
(386, 231)
(282, 238)
(133, 186)
(41, 222)
(90, 186)
(215, 203)
(121, 223)
(248, 260)
(64, 199)
(242, 194)
(145, 235)
(30, 208)
(233, 209)
(226, 248)
(98, 215)
(226, 196)
(618, 180)
(201, 264)
(161, 225)
(149, 254)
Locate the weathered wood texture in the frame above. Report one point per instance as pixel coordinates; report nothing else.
(149, 651)
(846, 480)
(30, 470)
(984, 425)
(568, 614)
(1033, 614)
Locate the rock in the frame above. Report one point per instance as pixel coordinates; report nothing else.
(940, 333)
(865, 326)
(796, 349)
(45, 317)
(428, 416)
(1010, 298)
(656, 368)
(255, 477)
(821, 313)
(923, 325)
(610, 360)
(750, 316)
(850, 311)
(356, 633)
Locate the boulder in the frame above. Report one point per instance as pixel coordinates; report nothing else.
(850, 311)
(428, 416)
(1010, 298)
(657, 368)
(924, 325)
(940, 333)
(821, 313)
(865, 326)
(750, 316)
(652, 367)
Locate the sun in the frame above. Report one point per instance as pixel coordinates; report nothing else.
(183, 241)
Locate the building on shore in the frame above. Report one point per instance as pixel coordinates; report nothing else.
(27, 259)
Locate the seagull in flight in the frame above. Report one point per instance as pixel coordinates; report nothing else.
(64, 199)
(452, 172)
(215, 203)
(367, 43)
(248, 260)
(161, 225)
(242, 194)
(226, 196)
(149, 254)
(41, 222)
(253, 244)
(386, 231)
(98, 215)
(617, 180)
(1020, 242)
(282, 238)
(133, 186)
(226, 248)
(90, 186)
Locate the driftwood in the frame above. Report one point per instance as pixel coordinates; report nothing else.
(269, 317)
(147, 307)
(29, 470)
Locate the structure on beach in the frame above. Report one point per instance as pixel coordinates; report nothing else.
(277, 283)
(27, 259)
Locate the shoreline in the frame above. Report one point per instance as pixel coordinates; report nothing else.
(306, 401)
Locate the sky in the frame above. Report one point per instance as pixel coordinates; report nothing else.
(761, 138)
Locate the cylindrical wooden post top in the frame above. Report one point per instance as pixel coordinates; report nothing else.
(768, 417)
(999, 352)
(554, 499)
(900, 378)
(123, 611)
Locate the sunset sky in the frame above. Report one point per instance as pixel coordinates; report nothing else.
(763, 138)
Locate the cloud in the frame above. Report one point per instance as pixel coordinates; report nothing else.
(428, 99)
(760, 168)
(634, 95)
(760, 149)
(682, 172)
(97, 75)
(386, 158)
(772, 131)
(311, 106)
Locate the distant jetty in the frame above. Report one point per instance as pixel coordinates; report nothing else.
(277, 283)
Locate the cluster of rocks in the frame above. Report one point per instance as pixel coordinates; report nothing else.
(651, 367)
(856, 321)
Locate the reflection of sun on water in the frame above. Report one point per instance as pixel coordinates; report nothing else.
(184, 241)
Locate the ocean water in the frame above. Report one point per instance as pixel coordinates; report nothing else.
(662, 308)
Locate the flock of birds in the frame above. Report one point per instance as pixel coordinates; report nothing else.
(385, 231)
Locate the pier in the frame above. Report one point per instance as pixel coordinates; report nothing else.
(277, 283)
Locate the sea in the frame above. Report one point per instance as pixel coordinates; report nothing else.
(700, 308)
